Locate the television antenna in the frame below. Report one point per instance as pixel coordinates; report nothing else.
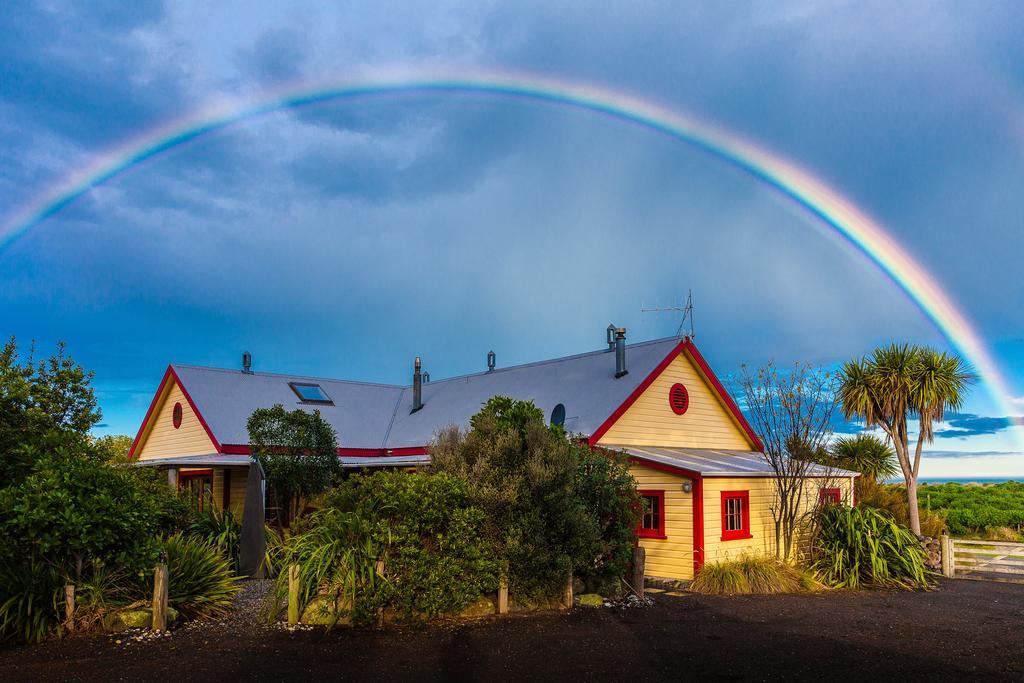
(686, 310)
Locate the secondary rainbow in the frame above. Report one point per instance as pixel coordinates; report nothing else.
(836, 212)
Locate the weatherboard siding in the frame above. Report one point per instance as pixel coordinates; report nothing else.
(650, 421)
(762, 523)
(162, 440)
(671, 557)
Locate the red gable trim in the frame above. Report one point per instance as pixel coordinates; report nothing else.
(168, 376)
(723, 395)
(755, 440)
(631, 399)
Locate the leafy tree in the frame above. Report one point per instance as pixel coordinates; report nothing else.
(607, 491)
(73, 508)
(298, 451)
(40, 402)
(894, 384)
(114, 448)
(529, 480)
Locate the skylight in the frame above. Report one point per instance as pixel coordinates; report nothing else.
(310, 393)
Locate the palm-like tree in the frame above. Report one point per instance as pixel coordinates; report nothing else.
(898, 381)
(867, 454)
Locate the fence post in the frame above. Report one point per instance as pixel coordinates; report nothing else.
(160, 597)
(293, 594)
(69, 607)
(568, 592)
(948, 569)
(639, 562)
(503, 593)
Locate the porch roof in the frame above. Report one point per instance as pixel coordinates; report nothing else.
(717, 463)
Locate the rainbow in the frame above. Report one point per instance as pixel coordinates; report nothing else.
(837, 213)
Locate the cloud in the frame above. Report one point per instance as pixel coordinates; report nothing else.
(972, 454)
(963, 425)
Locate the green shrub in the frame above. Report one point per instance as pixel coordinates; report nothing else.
(526, 477)
(750, 574)
(863, 546)
(200, 581)
(892, 499)
(607, 493)
(218, 528)
(29, 591)
(407, 543)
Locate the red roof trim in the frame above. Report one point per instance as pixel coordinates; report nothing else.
(723, 395)
(631, 399)
(661, 467)
(149, 413)
(243, 449)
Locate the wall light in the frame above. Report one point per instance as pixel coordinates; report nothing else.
(687, 486)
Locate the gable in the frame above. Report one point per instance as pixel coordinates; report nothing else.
(651, 421)
(159, 438)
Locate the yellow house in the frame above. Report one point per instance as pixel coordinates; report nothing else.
(707, 488)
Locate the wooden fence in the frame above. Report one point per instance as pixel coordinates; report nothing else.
(984, 560)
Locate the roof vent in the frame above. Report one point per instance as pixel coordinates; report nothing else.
(492, 360)
(247, 362)
(610, 335)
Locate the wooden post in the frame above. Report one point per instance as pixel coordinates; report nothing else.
(947, 556)
(172, 478)
(293, 594)
(503, 595)
(69, 607)
(568, 592)
(160, 598)
(639, 562)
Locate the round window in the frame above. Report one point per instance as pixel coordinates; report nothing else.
(176, 415)
(679, 399)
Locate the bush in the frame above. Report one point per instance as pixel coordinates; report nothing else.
(893, 499)
(863, 546)
(607, 493)
(407, 543)
(200, 580)
(525, 476)
(29, 591)
(220, 529)
(753, 574)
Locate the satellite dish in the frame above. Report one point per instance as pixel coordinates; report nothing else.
(558, 415)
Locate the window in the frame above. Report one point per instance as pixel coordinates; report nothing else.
(678, 399)
(830, 496)
(176, 415)
(196, 487)
(310, 393)
(652, 520)
(735, 515)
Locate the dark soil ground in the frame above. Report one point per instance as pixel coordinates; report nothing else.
(961, 630)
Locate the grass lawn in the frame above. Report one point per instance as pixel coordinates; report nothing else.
(962, 630)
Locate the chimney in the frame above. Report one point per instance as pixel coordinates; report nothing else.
(492, 360)
(247, 362)
(620, 352)
(417, 386)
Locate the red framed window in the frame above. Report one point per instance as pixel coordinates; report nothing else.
(678, 399)
(176, 415)
(735, 515)
(196, 486)
(652, 518)
(830, 496)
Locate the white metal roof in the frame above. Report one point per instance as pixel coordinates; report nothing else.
(226, 460)
(715, 463)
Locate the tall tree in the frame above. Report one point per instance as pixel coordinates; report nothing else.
(298, 451)
(792, 412)
(893, 385)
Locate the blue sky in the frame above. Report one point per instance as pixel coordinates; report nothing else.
(346, 238)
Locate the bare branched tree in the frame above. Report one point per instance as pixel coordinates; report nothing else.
(792, 412)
